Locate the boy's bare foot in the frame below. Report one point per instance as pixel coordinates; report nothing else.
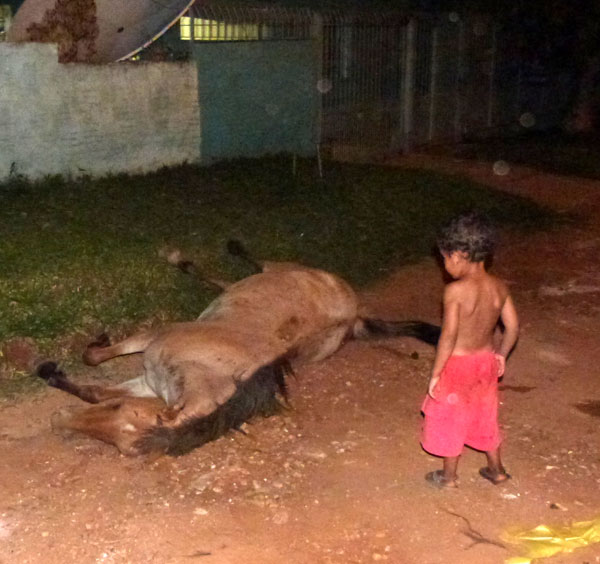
(438, 480)
(496, 477)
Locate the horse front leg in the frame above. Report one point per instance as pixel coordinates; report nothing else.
(121, 422)
(92, 393)
(102, 349)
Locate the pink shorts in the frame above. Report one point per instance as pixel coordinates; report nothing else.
(465, 411)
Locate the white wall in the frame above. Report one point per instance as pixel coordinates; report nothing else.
(75, 119)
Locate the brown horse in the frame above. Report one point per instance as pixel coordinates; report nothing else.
(205, 377)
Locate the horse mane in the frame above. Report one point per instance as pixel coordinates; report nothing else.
(256, 396)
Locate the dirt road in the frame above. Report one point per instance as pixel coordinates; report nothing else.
(340, 478)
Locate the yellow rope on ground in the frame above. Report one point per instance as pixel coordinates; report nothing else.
(544, 541)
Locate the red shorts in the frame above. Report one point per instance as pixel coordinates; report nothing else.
(465, 411)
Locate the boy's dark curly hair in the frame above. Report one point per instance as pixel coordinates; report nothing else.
(472, 233)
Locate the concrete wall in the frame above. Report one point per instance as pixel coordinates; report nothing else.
(93, 119)
(257, 97)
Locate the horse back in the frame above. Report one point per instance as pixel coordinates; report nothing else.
(270, 300)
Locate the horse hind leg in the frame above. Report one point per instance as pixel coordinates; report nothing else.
(236, 249)
(175, 258)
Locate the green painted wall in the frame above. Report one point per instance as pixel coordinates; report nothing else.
(256, 98)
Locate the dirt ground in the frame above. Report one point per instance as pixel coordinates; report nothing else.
(340, 478)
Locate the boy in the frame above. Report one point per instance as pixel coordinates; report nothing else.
(462, 402)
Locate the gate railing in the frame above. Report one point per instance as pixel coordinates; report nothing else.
(231, 22)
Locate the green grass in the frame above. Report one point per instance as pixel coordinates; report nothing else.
(81, 256)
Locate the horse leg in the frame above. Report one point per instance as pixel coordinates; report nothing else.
(236, 249)
(91, 393)
(175, 258)
(101, 349)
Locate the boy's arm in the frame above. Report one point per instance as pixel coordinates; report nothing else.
(510, 320)
(447, 337)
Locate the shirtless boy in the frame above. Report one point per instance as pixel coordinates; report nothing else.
(462, 402)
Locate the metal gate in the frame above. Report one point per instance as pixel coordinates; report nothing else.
(395, 83)
(389, 82)
(362, 79)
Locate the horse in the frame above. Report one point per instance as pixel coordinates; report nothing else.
(205, 377)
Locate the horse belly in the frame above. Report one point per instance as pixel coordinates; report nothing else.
(163, 383)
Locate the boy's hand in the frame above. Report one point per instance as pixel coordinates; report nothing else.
(501, 364)
(432, 385)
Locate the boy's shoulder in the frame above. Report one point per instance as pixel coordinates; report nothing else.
(456, 289)
(500, 284)
(466, 286)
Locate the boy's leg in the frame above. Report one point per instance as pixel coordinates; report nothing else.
(447, 477)
(494, 471)
(450, 466)
(494, 461)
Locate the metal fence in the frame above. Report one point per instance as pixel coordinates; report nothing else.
(395, 82)
(228, 22)
(400, 83)
(362, 77)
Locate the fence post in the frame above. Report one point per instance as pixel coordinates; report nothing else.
(433, 81)
(458, 112)
(318, 42)
(316, 36)
(492, 86)
(408, 85)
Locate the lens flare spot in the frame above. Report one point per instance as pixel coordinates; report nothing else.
(527, 120)
(452, 399)
(501, 168)
(324, 85)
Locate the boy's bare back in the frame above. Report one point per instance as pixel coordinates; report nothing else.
(478, 300)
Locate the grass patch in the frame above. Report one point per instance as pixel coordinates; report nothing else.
(20, 384)
(81, 256)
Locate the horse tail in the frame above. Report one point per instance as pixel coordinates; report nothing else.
(256, 396)
(237, 249)
(366, 328)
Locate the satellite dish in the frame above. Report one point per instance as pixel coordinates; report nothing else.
(95, 31)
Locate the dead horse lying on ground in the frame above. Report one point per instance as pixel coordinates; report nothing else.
(205, 377)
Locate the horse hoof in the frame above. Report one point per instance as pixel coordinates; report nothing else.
(92, 356)
(102, 341)
(49, 372)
